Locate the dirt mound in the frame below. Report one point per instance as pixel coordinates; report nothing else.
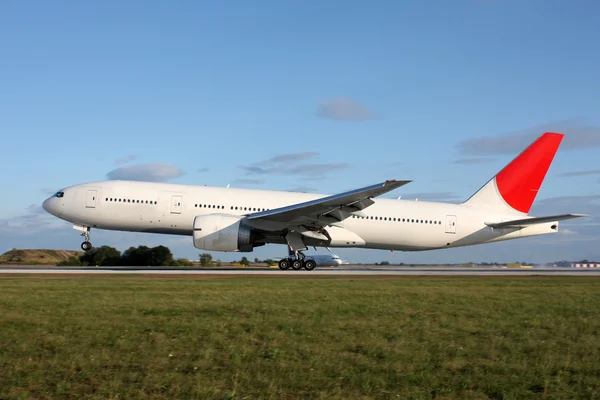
(36, 256)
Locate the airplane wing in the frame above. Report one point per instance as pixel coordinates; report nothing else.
(329, 209)
(522, 223)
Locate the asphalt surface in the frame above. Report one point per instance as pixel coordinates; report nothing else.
(364, 271)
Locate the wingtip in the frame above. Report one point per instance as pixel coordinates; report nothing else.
(399, 182)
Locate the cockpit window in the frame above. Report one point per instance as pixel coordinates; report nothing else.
(59, 194)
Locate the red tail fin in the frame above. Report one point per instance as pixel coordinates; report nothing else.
(516, 186)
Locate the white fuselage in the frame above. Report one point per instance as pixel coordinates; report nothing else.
(387, 224)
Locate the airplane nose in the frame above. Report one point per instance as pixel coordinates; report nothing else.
(51, 206)
(46, 205)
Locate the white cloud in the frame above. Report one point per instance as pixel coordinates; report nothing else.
(303, 189)
(567, 231)
(344, 109)
(577, 136)
(249, 181)
(580, 173)
(287, 158)
(153, 172)
(34, 220)
(288, 164)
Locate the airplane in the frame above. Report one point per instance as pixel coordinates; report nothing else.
(325, 260)
(238, 220)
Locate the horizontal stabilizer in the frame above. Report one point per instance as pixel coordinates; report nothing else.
(522, 223)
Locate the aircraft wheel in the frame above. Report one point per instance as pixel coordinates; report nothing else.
(284, 264)
(297, 264)
(310, 265)
(85, 246)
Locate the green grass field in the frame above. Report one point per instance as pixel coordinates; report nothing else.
(288, 338)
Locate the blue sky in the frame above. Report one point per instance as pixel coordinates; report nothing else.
(385, 90)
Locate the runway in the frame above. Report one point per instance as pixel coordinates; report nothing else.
(358, 271)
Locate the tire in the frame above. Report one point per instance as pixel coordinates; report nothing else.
(297, 265)
(284, 264)
(310, 265)
(85, 246)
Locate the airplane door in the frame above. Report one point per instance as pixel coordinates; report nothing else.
(90, 200)
(176, 202)
(450, 223)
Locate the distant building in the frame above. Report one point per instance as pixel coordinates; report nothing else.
(585, 265)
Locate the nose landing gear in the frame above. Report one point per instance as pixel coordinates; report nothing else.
(85, 232)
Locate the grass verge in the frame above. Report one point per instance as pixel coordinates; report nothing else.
(286, 338)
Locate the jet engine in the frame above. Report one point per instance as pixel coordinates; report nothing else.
(222, 232)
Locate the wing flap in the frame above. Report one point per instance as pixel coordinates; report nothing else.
(522, 223)
(336, 207)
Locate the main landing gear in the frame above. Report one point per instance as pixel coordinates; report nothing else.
(297, 263)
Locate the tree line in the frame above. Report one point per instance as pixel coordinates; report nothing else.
(206, 260)
(141, 256)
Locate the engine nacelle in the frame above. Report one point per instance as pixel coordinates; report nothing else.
(222, 232)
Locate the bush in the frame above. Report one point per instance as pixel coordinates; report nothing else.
(70, 262)
(205, 259)
(104, 256)
(183, 262)
(141, 256)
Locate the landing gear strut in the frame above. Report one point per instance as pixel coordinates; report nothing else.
(86, 245)
(296, 258)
